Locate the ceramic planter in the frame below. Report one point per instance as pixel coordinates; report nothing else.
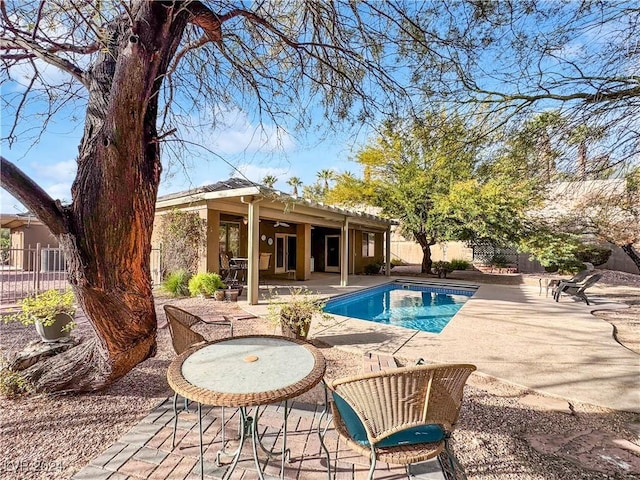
(54, 332)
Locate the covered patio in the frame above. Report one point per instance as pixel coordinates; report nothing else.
(244, 219)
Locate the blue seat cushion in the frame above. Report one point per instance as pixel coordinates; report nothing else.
(409, 436)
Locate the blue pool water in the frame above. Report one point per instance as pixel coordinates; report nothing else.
(410, 305)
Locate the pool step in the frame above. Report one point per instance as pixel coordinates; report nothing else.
(373, 362)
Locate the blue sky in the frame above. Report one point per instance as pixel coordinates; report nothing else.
(241, 144)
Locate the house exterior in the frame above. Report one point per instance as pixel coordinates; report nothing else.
(27, 232)
(245, 219)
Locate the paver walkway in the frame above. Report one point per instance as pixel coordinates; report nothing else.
(145, 452)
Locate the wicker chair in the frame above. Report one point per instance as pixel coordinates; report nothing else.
(182, 338)
(399, 416)
(180, 323)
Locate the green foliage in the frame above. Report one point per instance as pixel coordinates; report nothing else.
(372, 268)
(459, 264)
(205, 284)
(44, 307)
(442, 268)
(554, 251)
(427, 174)
(177, 283)
(396, 262)
(183, 236)
(592, 253)
(13, 384)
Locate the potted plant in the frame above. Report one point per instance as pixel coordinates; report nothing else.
(295, 313)
(205, 284)
(51, 312)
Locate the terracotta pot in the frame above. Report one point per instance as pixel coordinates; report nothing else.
(219, 295)
(54, 332)
(231, 294)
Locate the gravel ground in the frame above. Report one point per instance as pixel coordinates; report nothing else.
(52, 437)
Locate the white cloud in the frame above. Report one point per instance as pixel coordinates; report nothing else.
(232, 132)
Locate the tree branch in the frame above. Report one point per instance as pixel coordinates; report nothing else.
(29, 193)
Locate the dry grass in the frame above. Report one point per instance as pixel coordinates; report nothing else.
(49, 437)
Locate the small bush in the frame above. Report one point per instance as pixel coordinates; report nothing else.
(396, 262)
(441, 268)
(177, 283)
(595, 254)
(205, 284)
(372, 268)
(13, 384)
(458, 264)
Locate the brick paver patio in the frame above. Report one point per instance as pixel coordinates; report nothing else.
(145, 451)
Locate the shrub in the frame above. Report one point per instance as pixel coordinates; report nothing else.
(205, 284)
(441, 268)
(458, 264)
(13, 384)
(595, 254)
(396, 262)
(372, 268)
(177, 283)
(44, 307)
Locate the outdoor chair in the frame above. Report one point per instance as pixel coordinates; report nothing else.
(184, 337)
(264, 262)
(577, 289)
(399, 416)
(578, 277)
(228, 270)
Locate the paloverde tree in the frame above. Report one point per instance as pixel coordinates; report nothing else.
(140, 71)
(427, 174)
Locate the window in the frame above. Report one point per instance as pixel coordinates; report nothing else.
(230, 238)
(368, 244)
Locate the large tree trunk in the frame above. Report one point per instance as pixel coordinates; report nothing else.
(425, 243)
(107, 231)
(633, 255)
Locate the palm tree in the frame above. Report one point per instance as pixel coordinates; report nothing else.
(269, 181)
(324, 176)
(294, 183)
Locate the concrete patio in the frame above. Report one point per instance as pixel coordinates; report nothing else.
(512, 332)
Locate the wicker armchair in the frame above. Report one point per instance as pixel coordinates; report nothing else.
(183, 337)
(180, 323)
(399, 416)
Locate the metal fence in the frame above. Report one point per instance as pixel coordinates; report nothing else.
(27, 271)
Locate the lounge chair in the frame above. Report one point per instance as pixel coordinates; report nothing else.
(577, 278)
(577, 289)
(399, 416)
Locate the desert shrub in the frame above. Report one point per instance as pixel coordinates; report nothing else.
(395, 262)
(499, 261)
(204, 284)
(459, 264)
(441, 268)
(372, 268)
(13, 384)
(595, 254)
(177, 283)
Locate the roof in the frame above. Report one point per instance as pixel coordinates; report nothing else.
(238, 187)
(15, 220)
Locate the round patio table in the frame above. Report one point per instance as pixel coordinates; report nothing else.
(246, 371)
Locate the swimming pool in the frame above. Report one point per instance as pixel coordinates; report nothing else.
(417, 306)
